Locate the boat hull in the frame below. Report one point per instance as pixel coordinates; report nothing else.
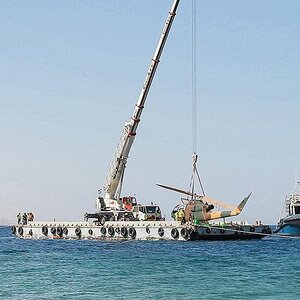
(139, 230)
(286, 229)
(231, 232)
(289, 226)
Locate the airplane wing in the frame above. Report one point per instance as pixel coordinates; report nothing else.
(203, 198)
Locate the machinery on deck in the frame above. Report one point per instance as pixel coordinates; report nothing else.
(110, 206)
(119, 217)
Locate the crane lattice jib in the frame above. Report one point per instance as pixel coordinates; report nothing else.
(119, 162)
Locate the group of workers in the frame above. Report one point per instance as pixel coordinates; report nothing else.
(26, 217)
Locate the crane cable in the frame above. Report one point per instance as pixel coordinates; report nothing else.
(194, 76)
(195, 173)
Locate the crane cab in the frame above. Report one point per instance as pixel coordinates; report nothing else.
(128, 203)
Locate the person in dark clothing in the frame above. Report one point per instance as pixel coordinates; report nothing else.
(24, 219)
(19, 218)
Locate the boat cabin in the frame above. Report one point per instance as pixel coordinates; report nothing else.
(292, 202)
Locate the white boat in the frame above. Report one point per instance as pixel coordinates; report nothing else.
(290, 223)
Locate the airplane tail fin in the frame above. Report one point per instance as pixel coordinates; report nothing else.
(240, 207)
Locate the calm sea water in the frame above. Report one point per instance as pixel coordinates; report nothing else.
(60, 269)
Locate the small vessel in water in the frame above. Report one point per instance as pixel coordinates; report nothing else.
(290, 224)
(119, 218)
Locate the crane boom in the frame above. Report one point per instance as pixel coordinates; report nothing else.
(117, 168)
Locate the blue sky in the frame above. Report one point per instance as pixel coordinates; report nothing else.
(71, 72)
